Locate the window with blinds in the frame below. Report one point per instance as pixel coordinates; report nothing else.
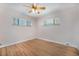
(22, 22)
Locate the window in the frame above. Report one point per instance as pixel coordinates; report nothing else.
(50, 22)
(22, 22)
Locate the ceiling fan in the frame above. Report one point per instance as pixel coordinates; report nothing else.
(35, 8)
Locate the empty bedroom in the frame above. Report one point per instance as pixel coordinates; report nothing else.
(39, 29)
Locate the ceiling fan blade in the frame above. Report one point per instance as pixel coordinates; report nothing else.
(28, 6)
(43, 8)
(30, 11)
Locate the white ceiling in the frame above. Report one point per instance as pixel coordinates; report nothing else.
(24, 10)
(50, 7)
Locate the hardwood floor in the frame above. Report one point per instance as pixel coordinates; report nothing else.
(38, 47)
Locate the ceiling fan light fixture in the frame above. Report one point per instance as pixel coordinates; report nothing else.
(36, 8)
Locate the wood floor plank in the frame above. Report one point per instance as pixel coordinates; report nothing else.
(37, 47)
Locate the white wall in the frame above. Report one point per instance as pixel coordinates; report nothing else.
(10, 33)
(67, 31)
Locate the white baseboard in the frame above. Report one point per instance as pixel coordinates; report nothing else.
(58, 42)
(20, 41)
